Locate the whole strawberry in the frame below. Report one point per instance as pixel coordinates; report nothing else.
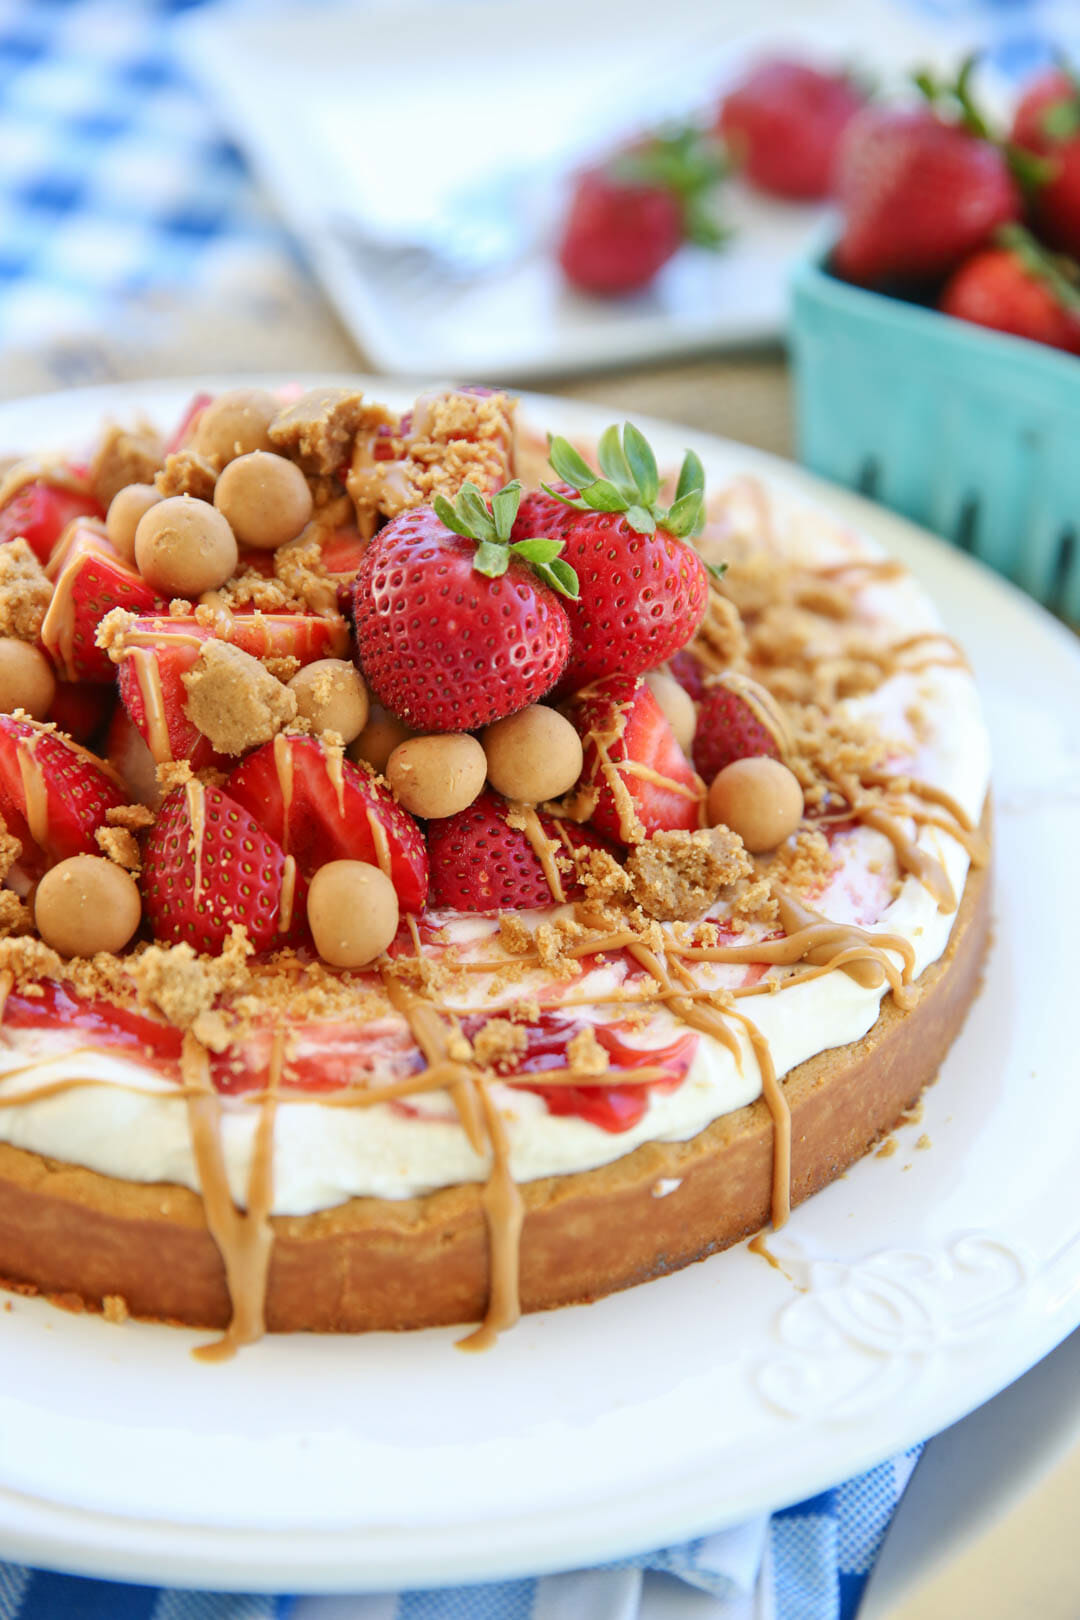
(918, 194)
(642, 592)
(1018, 288)
(479, 862)
(207, 864)
(1047, 122)
(628, 217)
(783, 124)
(455, 626)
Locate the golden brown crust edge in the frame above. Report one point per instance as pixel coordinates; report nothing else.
(78, 1237)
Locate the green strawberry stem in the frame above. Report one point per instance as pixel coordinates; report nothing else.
(957, 102)
(630, 483)
(490, 529)
(1058, 273)
(690, 163)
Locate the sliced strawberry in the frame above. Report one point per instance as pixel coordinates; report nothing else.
(155, 654)
(729, 727)
(89, 580)
(207, 864)
(480, 863)
(53, 794)
(130, 758)
(690, 673)
(321, 807)
(40, 512)
(82, 711)
(636, 779)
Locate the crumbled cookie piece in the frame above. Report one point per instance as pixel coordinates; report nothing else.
(300, 568)
(124, 456)
(121, 846)
(453, 437)
(114, 1308)
(499, 1043)
(805, 863)
(601, 876)
(172, 774)
(184, 986)
(679, 875)
(234, 701)
(15, 915)
(10, 850)
(513, 935)
(25, 593)
(585, 1054)
(317, 430)
(132, 816)
(186, 472)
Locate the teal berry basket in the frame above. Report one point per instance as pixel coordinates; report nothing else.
(974, 434)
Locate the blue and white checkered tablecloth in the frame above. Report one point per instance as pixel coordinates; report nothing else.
(119, 189)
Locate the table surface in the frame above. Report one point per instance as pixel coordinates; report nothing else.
(1025, 1563)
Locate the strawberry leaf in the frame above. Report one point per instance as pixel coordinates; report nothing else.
(641, 520)
(540, 550)
(447, 515)
(561, 577)
(472, 505)
(568, 465)
(491, 559)
(604, 497)
(687, 516)
(638, 453)
(613, 463)
(691, 476)
(1061, 120)
(717, 570)
(504, 508)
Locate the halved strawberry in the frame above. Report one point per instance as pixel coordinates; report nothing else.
(89, 579)
(321, 807)
(690, 673)
(187, 424)
(636, 780)
(153, 655)
(207, 864)
(40, 512)
(53, 794)
(737, 719)
(480, 863)
(131, 759)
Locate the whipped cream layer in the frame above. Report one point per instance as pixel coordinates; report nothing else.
(132, 1123)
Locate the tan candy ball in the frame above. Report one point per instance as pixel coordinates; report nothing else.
(676, 704)
(332, 695)
(87, 904)
(26, 679)
(353, 911)
(437, 776)
(125, 510)
(378, 739)
(183, 547)
(235, 423)
(533, 755)
(265, 498)
(759, 799)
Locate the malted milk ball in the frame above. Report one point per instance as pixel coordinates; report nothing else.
(437, 776)
(184, 547)
(265, 498)
(533, 755)
(331, 694)
(87, 904)
(759, 799)
(378, 739)
(26, 679)
(125, 509)
(235, 423)
(353, 912)
(676, 704)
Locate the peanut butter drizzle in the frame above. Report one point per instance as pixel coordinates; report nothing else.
(245, 1239)
(797, 918)
(195, 795)
(58, 625)
(504, 1212)
(540, 844)
(283, 766)
(148, 677)
(634, 767)
(332, 758)
(383, 858)
(287, 901)
(888, 568)
(777, 1104)
(34, 790)
(927, 868)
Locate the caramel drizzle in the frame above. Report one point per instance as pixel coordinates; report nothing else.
(196, 807)
(333, 758)
(58, 625)
(244, 1238)
(504, 1213)
(287, 901)
(35, 793)
(525, 817)
(283, 766)
(148, 677)
(383, 858)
